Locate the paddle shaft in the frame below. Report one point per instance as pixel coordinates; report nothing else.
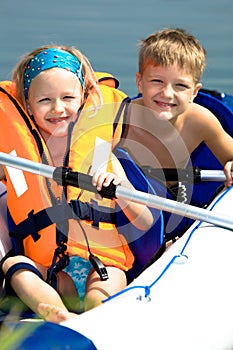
(174, 207)
(191, 175)
(65, 176)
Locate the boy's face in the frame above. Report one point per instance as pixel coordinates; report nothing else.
(168, 91)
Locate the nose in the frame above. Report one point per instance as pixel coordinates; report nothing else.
(167, 90)
(57, 106)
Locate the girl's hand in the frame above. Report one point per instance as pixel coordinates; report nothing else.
(118, 176)
(138, 214)
(104, 179)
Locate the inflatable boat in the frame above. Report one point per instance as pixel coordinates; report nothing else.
(180, 298)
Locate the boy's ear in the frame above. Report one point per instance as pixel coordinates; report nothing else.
(138, 82)
(196, 89)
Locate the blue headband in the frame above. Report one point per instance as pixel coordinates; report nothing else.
(51, 58)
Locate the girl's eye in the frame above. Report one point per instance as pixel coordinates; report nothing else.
(68, 97)
(44, 99)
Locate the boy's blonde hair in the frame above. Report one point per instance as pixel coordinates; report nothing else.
(90, 80)
(170, 46)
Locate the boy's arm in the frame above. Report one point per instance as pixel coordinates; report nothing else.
(2, 174)
(221, 144)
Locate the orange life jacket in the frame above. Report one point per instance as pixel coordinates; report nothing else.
(39, 221)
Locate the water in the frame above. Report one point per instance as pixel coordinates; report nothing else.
(108, 32)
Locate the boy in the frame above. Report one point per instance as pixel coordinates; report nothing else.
(165, 126)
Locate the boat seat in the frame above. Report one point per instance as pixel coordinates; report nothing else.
(146, 246)
(221, 106)
(202, 193)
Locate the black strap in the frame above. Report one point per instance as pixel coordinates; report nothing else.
(60, 261)
(22, 266)
(16, 267)
(124, 106)
(61, 213)
(2, 276)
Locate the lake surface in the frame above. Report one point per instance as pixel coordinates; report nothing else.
(108, 32)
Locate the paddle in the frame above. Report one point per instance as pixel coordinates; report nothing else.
(191, 175)
(64, 176)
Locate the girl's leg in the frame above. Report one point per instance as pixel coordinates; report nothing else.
(67, 290)
(33, 291)
(55, 314)
(97, 290)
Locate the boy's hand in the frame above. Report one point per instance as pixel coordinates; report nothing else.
(228, 168)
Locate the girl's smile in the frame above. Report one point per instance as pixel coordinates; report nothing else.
(55, 95)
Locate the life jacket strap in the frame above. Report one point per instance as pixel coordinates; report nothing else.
(58, 214)
(60, 261)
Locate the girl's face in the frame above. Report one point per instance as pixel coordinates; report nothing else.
(54, 98)
(166, 90)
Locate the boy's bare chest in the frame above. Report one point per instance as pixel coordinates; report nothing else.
(155, 149)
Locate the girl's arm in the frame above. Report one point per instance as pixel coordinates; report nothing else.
(137, 213)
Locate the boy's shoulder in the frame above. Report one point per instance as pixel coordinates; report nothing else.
(197, 119)
(197, 112)
(137, 101)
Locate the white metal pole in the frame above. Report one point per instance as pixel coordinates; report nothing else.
(27, 165)
(213, 175)
(153, 201)
(174, 207)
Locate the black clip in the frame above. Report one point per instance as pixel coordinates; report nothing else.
(99, 267)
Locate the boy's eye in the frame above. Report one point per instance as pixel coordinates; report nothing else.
(182, 86)
(158, 81)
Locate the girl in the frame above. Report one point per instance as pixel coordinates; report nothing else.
(55, 85)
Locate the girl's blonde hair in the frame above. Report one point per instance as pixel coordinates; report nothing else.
(90, 86)
(170, 46)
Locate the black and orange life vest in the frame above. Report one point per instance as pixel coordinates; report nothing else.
(40, 221)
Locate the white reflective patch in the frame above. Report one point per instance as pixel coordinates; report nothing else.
(17, 178)
(101, 156)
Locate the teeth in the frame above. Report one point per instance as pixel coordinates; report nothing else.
(164, 104)
(57, 119)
